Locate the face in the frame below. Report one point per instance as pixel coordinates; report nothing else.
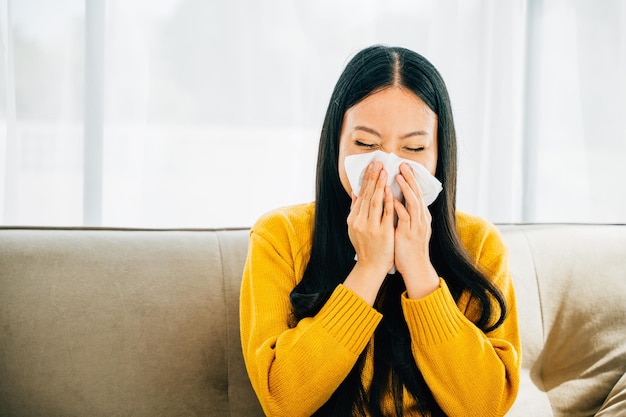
(391, 120)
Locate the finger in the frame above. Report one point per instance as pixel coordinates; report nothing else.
(412, 201)
(365, 192)
(388, 207)
(369, 180)
(353, 205)
(415, 204)
(361, 203)
(377, 200)
(409, 175)
(404, 219)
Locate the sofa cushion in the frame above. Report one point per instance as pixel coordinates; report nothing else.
(582, 289)
(615, 402)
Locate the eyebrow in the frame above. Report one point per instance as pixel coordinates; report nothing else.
(375, 133)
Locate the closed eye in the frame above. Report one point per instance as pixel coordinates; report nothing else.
(418, 149)
(365, 145)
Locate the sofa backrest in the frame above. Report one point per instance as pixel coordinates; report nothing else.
(120, 323)
(109, 322)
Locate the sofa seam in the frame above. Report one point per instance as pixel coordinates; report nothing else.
(530, 250)
(221, 253)
(541, 310)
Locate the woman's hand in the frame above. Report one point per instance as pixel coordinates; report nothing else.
(371, 231)
(412, 237)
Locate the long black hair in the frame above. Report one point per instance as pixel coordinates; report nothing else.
(332, 254)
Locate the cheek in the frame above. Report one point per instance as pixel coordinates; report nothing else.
(428, 161)
(431, 162)
(432, 165)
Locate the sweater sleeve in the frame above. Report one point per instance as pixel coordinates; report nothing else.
(295, 370)
(468, 371)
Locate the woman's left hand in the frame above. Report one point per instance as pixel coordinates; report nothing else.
(412, 237)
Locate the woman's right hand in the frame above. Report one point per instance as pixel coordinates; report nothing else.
(371, 231)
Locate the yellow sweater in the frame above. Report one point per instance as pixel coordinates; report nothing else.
(294, 371)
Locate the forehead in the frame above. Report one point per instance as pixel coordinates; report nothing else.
(394, 106)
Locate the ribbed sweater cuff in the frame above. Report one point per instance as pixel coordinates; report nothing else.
(349, 319)
(434, 318)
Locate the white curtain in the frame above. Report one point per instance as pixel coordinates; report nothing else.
(195, 113)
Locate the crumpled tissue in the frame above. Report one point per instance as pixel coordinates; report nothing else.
(355, 166)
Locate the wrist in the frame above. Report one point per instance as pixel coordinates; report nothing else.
(421, 282)
(365, 281)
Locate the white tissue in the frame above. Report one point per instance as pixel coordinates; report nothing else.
(355, 166)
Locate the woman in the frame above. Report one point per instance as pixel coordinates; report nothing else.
(325, 329)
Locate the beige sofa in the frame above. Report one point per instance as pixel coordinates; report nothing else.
(145, 322)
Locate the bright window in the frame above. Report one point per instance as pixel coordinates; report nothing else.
(193, 113)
